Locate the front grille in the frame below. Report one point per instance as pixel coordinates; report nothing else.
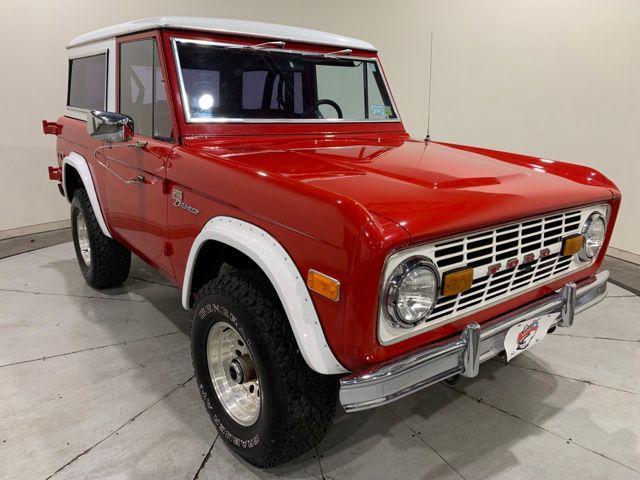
(479, 250)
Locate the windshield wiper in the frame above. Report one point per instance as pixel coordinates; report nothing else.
(260, 46)
(346, 51)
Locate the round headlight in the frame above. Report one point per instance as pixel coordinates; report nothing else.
(411, 292)
(594, 232)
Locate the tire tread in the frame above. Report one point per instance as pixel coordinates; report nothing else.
(310, 397)
(110, 261)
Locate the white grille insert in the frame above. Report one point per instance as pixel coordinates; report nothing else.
(499, 246)
(540, 238)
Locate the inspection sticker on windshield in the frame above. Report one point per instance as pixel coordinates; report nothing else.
(377, 109)
(525, 334)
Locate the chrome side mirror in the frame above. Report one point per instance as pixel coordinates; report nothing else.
(109, 127)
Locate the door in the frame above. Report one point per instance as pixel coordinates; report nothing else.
(137, 202)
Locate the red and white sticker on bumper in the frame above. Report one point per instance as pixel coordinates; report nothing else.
(523, 335)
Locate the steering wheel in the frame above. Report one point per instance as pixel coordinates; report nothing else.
(325, 101)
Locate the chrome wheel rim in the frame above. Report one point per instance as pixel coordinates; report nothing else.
(83, 238)
(233, 374)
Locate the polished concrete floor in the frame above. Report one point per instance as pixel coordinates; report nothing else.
(99, 385)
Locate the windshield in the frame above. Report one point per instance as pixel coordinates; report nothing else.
(232, 83)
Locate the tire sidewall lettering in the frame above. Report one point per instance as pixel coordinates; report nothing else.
(212, 309)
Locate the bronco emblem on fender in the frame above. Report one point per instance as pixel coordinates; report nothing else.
(176, 195)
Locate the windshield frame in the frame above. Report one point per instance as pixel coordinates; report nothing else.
(185, 103)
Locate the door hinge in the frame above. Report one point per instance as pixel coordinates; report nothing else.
(167, 249)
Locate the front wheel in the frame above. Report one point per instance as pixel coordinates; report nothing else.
(266, 403)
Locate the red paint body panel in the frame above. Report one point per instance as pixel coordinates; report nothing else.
(340, 197)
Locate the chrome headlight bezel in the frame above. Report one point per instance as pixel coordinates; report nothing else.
(583, 254)
(392, 286)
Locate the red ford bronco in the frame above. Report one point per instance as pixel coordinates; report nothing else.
(324, 253)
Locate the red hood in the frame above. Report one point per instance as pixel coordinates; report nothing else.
(430, 190)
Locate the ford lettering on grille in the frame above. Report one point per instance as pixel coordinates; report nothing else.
(506, 260)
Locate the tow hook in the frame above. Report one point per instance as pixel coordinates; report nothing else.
(55, 173)
(51, 128)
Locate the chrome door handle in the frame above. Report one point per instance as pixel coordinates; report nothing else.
(138, 179)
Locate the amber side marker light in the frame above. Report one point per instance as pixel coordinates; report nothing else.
(457, 281)
(324, 285)
(571, 245)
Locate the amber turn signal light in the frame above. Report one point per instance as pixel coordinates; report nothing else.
(324, 285)
(571, 245)
(457, 281)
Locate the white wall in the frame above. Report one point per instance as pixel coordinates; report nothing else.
(558, 79)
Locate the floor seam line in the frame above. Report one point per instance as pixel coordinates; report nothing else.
(35, 250)
(206, 457)
(556, 334)
(624, 286)
(128, 422)
(568, 440)
(153, 281)
(425, 442)
(319, 463)
(30, 292)
(588, 382)
(99, 347)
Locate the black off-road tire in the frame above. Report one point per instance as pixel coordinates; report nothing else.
(109, 261)
(297, 404)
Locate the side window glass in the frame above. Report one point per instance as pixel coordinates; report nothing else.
(142, 94)
(87, 82)
(162, 126)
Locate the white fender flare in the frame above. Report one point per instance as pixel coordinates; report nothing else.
(78, 162)
(287, 281)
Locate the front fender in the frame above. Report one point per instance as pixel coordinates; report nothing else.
(283, 274)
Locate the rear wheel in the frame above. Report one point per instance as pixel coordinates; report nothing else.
(266, 403)
(103, 261)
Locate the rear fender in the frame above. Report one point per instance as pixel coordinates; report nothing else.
(79, 164)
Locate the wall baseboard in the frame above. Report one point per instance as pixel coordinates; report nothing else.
(31, 229)
(623, 255)
(60, 224)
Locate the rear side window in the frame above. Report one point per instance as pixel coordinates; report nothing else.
(88, 82)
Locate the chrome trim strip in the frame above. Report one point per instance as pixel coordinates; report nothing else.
(185, 102)
(402, 376)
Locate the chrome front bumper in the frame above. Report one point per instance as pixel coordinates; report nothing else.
(402, 376)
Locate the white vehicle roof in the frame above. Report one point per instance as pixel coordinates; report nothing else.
(222, 25)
